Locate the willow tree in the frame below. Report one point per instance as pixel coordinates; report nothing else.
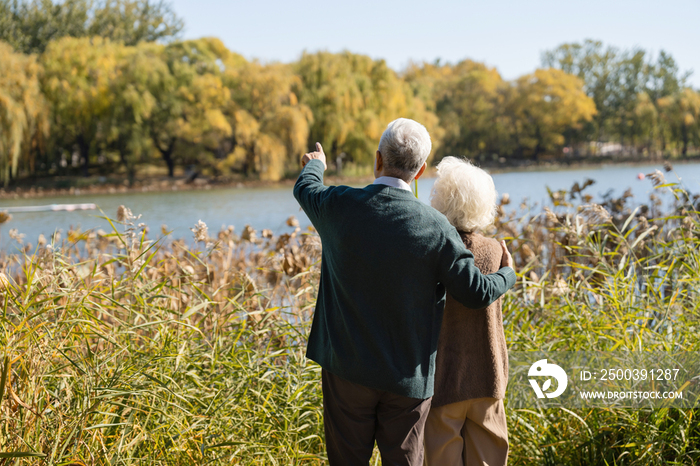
(78, 83)
(353, 98)
(23, 111)
(271, 127)
(141, 72)
(681, 114)
(542, 106)
(188, 123)
(162, 124)
(646, 117)
(202, 123)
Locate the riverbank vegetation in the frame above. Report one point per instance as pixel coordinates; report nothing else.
(95, 88)
(130, 347)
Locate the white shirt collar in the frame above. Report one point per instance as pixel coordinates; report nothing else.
(393, 182)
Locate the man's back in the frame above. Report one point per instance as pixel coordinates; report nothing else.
(379, 307)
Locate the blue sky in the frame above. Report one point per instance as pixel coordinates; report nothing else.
(510, 35)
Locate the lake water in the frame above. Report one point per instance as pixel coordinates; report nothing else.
(270, 207)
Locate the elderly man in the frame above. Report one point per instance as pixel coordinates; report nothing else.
(386, 261)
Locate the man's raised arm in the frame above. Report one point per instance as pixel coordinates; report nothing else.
(309, 189)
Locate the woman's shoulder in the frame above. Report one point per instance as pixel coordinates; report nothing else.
(479, 241)
(487, 251)
(491, 243)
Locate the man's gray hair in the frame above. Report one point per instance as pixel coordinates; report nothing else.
(405, 146)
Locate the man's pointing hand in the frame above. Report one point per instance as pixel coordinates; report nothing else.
(318, 154)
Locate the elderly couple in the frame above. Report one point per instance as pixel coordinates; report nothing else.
(408, 327)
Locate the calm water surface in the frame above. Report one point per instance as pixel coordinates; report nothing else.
(270, 207)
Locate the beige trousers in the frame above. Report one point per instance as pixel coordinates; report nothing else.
(468, 433)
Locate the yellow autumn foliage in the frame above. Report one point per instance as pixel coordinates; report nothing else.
(23, 114)
(199, 105)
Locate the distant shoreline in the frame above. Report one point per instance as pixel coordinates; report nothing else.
(80, 186)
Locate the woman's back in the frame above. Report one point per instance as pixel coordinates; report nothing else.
(472, 357)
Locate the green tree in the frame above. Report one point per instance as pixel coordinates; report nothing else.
(629, 82)
(663, 84)
(597, 66)
(134, 21)
(633, 93)
(30, 25)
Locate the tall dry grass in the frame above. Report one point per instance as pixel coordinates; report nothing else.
(117, 349)
(606, 277)
(122, 350)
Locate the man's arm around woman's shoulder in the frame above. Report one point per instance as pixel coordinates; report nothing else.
(465, 281)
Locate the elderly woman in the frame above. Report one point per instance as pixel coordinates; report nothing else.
(467, 421)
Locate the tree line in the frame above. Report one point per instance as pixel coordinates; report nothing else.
(104, 86)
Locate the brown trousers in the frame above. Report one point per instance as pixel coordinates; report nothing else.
(468, 433)
(355, 416)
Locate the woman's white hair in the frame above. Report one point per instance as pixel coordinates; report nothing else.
(465, 194)
(405, 146)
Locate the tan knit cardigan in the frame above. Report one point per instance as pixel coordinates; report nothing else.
(472, 357)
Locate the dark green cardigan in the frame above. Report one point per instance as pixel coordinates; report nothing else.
(385, 259)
